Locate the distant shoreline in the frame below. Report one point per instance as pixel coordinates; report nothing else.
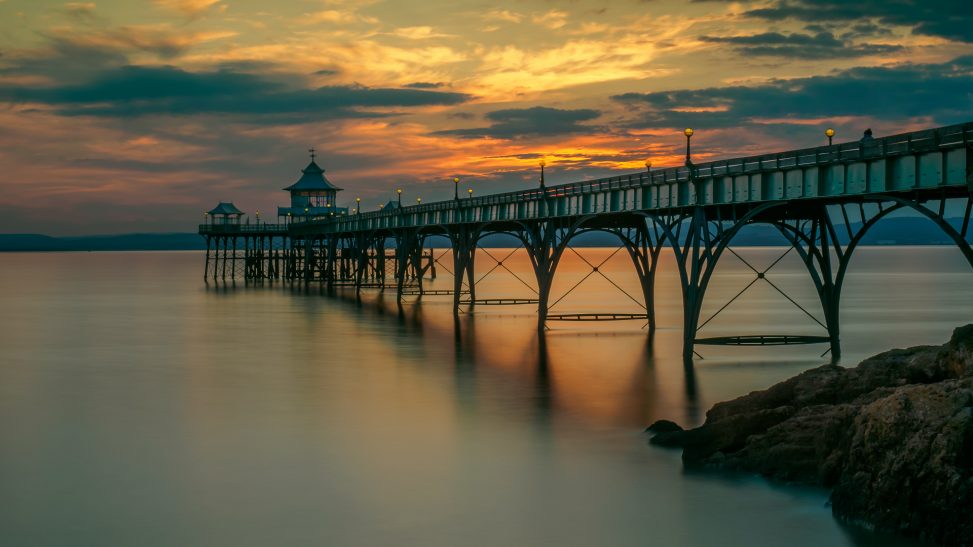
(898, 231)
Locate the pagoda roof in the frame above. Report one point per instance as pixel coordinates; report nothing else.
(225, 208)
(313, 179)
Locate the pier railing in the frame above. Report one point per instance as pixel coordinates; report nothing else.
(679, 192)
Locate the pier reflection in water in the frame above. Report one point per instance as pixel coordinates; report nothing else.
(137, 407)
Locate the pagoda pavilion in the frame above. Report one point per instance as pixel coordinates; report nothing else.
(312, 196)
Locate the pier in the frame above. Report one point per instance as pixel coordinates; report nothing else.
(822, 200)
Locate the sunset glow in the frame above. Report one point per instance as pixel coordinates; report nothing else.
(126, 116)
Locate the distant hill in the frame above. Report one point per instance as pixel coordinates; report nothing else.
(892, 231)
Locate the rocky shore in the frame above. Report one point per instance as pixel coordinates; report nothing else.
(892, 438)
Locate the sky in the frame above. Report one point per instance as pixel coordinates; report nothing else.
(124, 116)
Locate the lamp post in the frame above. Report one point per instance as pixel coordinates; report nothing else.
(829, 132)
(648, 166)
(399, 192)
(258, 218)
(205, 217)
(470, 192)
(542, 164)
(689, 135)
(358, 206)
(456, 188)
(305, 213)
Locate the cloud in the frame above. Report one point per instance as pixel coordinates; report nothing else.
(143, 90)
(63, 60)
(419, 33)
(503, 15)
(187, 7)
(342, 17)
(80, 10)
(425, 85)
(530, 122)
(160, 39)
(510, 69)
(553, 19)
(938, 91)
(950, 19)
(822, 45)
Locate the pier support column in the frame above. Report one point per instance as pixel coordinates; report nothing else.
(815, 238)
(545, 242)
(408, 245)
(697, 254)
(225, 250)
(308, 259)
(206, 268)
(362, 246)
(644, 251)
(463, 241)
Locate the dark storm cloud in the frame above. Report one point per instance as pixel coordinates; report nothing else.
(140, 90)
(952, 19)
(823, 45)
(943, 92)
(530, 122)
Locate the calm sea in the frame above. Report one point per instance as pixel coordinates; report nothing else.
(140, 407)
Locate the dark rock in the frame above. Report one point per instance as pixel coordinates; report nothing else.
(663, 426)
(893, 438)
(666, 433)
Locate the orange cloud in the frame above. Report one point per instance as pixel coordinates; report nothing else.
(188, 7)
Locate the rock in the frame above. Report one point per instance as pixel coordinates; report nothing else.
(666, 433)
(892, 437)
(663, 426)
(909, 465)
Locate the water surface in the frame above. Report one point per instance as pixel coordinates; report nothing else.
(139, 406)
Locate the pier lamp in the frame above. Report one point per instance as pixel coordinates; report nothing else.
(305, 213)
(456, 188)
(689, 135)
(358, 203)
(648, 166)
(829, 132)
(542, 164)
(399, 192)
(381, 206)
(470, 192)
(418, 201)
(288, 217)
(258, 217)
(205, 217)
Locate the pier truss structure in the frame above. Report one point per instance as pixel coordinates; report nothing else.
(822, 200)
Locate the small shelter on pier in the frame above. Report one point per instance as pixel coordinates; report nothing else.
(312, 196)
(224, 213)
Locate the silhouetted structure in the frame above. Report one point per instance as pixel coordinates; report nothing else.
(696, 209)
